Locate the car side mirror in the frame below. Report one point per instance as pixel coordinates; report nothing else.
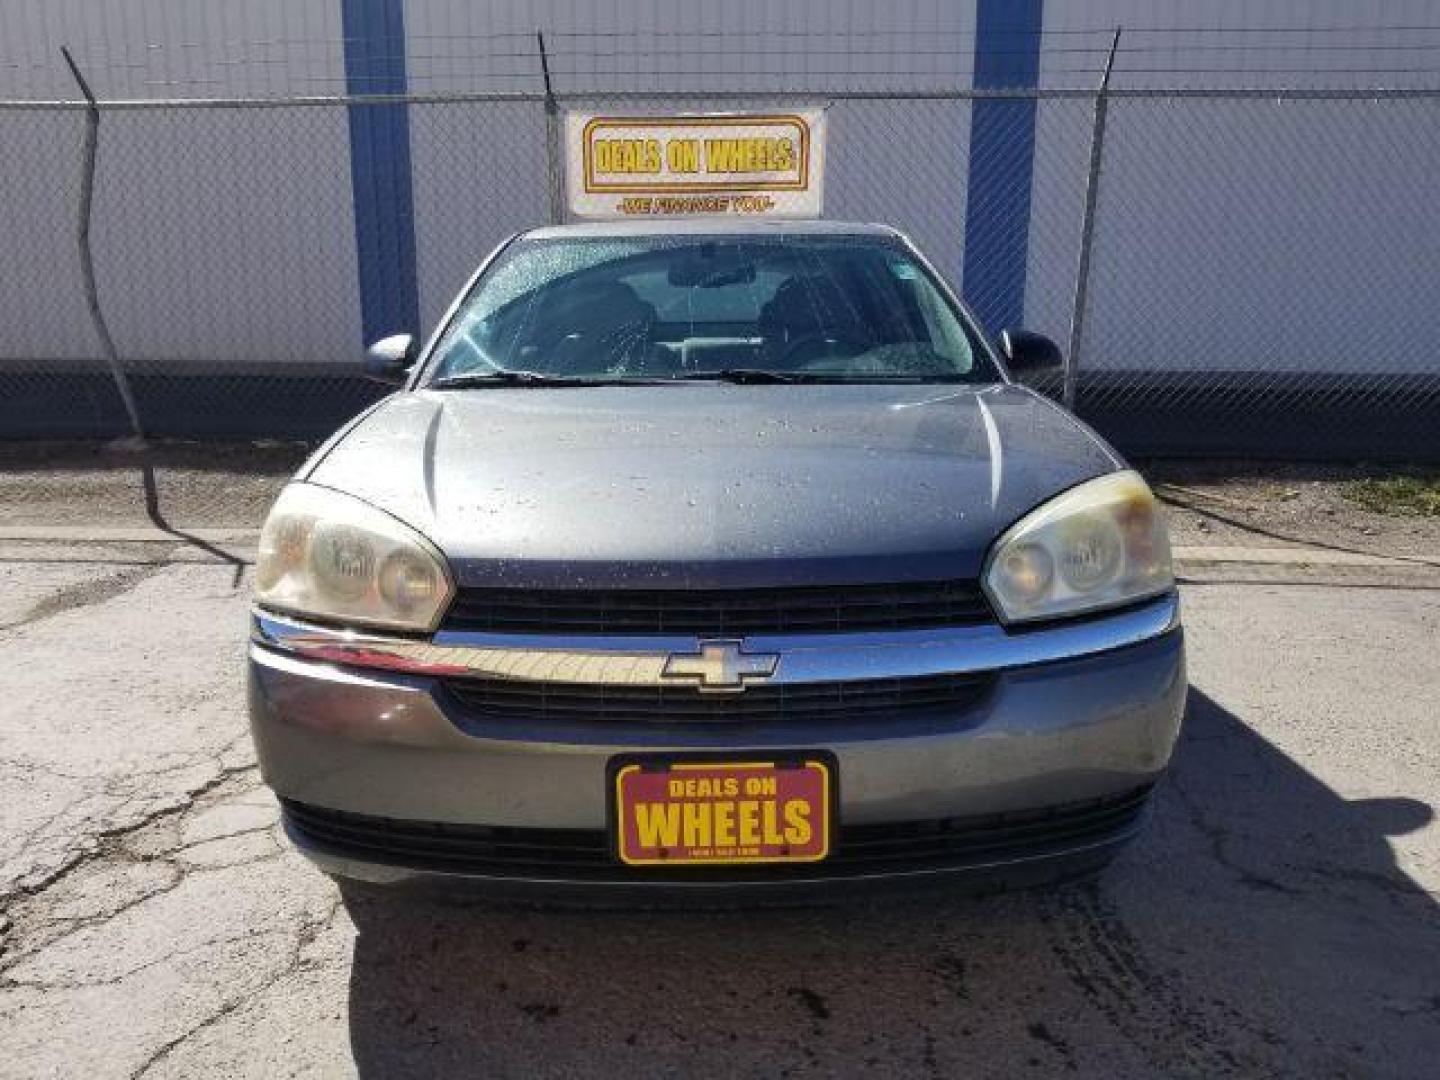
(1027, 353)
(390, 359)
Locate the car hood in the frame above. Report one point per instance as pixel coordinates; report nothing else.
(712, 485)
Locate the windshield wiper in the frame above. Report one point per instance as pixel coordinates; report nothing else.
(762, 375)
(477, 379)
(740, 376)
(501, 378)
(744, 376)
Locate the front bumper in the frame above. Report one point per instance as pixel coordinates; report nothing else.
(1044, 773)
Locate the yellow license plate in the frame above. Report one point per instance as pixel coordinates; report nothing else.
(702, 812)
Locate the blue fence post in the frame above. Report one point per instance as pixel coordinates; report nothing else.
(374, 34)
(1002, 157)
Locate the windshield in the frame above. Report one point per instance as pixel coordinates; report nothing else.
(787, 308)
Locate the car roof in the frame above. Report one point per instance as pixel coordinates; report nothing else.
(711, 227)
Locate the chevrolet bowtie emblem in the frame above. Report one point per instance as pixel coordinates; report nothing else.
(720, 666)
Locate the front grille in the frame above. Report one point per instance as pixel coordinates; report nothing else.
(585, 854)
(718, 612)
(772, 703)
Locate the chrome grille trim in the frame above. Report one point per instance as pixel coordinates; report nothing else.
(640, 661)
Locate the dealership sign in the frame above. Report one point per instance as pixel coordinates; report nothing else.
(739, 164)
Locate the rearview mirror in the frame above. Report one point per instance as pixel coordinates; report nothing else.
(1026, 353)
(389, 360)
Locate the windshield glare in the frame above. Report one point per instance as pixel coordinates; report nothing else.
(851, 308)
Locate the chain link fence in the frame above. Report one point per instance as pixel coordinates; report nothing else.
(1259, 267)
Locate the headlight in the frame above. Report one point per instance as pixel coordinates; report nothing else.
(331, 557)
(1098, 545)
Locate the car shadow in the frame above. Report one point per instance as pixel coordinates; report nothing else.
(1260, 925)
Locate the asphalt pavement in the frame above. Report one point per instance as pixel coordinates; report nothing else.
(1278, 917)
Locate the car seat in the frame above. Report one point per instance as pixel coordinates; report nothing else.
(594, 328)
(807, 308)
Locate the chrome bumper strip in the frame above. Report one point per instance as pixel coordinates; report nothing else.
(803, 658)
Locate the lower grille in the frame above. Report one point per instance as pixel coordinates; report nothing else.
(584, 854)
(819, 703)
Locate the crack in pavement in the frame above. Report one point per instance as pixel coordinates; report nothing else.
(181, 872)
(1218, 837)
(125, 788)
(230, 787)
(85, 594)
(204, 840)
(96, 846)
(251, 934)
(221, 790)
(305, 935)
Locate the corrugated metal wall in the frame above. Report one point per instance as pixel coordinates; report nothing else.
(220, 236)
(166, 48)
(230, 239)
(1222, 220)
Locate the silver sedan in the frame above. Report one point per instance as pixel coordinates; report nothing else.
(713, 560)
